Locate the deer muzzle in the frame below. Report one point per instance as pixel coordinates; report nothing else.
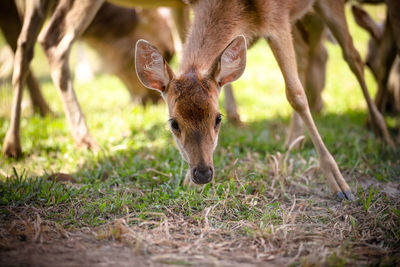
(202, 174)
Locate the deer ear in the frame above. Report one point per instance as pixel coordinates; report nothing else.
(230, 65)
(151, 68)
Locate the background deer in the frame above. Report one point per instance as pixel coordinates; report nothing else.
(211, 59)
(383, 58)
(111, 32)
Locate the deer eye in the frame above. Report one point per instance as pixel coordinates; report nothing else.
(174, 124)
(218, 120)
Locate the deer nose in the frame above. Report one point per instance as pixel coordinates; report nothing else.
(202, 175)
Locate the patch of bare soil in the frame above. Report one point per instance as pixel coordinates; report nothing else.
(35, 242)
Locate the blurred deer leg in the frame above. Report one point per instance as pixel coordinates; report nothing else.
(11, 25)
(333, 15)
(394, 17)
(38, 102)
(315, 80)
(296, 129)
(230, 105)
(33, 21)
(318, 57)
(56, 41)
(301, 47)
(386, 54)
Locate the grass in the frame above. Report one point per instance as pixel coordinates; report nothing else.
(265, 204)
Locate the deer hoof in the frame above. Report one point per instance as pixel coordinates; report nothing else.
(88, 143)
(12, 149)
(345, 195)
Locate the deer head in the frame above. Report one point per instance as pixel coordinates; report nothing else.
(192, 99)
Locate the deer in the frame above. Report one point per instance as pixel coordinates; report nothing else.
(111, 31)
(218, 27)
(385, 43)
(68, 22)
(381, 59)
(215, 55)
(111, 34)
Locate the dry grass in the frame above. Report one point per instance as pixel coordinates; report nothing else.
(306, 227)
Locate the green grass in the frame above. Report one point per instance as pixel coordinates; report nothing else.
(367, 198)
(139, 171)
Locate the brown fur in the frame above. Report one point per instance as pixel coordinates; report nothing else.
(115, 46)
(195, 113)
(194, 107)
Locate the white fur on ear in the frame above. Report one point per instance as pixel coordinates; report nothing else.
(232, 61)
(151, 68)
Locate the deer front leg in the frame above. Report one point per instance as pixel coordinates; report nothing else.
(11, 26)
(33, 21)
(302, 50)
(230, 105)
(38, 102)
(332, 11)
(282, 48)
(295, 130)
(56, 41)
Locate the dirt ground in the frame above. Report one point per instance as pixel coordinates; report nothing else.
(82, 249)
(22, 246)
(349, 236)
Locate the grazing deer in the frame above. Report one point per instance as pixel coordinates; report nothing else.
(215, 55)
(111, 31)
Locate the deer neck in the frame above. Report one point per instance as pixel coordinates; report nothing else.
(215, 25)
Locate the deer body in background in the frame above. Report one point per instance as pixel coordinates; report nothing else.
(309, 34)
(215, 55)
(382, 59)
(113, 31)
(109, 29)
